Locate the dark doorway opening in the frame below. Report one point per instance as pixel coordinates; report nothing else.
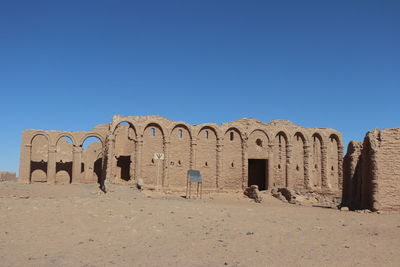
(124, 163)
(65, 166)
(258, 173)
(98, 169)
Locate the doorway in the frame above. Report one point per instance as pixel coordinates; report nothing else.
(124, 162)
(258, 173)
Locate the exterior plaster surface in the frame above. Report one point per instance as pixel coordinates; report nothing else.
(295, 156)
(372, 171)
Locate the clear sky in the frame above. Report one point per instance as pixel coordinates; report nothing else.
(69, 65)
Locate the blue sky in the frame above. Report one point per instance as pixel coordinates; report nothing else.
(69, 65)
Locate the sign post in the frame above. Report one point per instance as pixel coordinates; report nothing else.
(194, 176)
(158, 157)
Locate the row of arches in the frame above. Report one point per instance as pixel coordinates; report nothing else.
(294, 160)
(59, 158)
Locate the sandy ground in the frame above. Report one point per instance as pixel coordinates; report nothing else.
(76, 225)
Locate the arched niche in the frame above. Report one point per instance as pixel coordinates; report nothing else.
(316, 166)
(298, 160)
(232, 160)
(280, 159)
(333, 161)
(92, 160)
(206, 156)
(153, 142)
(179, 156)
(39, 158)
(257, 145)
(64, 159)
(124, 150)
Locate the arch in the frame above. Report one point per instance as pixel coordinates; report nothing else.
(258, 144)
(316, 167)
(124, 147)
(64, 158)
(302, 136)
(89, 135)
(319, 136)
(298, 160)
(208, 127)
(151, 169)
(263, 131)
(91, 164)
(234, 129)
(154, 124)
(39, 157)
(232, 160)
(282, 133)
(206, 156)
(182, 125)
(336, 137)
(33, 135)
(179, 157)
(334, 162)
(114, 127)
(280, 159)
(65, 134)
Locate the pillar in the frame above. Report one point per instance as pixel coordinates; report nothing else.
(245, 164)
(289, 174)
(340, 167)
(271, 181)
(138, 167)
(113, 162)
(220, 148)
(193, 150)
(164, 165)
(51, 165)
(76, 164)
(324, 170)
(25, 164)
(110, 155)
(132, 167)
(307, 157)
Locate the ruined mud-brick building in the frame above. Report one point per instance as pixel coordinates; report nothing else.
(230, 156)
(8, 176)
(372, 172)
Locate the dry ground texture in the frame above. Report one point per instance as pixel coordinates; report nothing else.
(76, 225)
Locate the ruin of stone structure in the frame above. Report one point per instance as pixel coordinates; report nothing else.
(8, 176)
(372, 172)
(230, 156)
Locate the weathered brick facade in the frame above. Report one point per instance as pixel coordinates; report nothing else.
(274, 154)
(372, 172)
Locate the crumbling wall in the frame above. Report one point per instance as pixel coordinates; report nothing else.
(55, 156)
(7, 176)
(287, 154)
(372, 172)
(92, 158)
(352, 169)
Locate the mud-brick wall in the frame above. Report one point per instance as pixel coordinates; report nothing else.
(352, 166)
(387, 150)
(372, 172)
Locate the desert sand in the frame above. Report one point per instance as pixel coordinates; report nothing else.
(77, 225)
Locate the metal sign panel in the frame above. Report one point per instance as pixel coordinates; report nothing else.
(194, 176)
(159, 156)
